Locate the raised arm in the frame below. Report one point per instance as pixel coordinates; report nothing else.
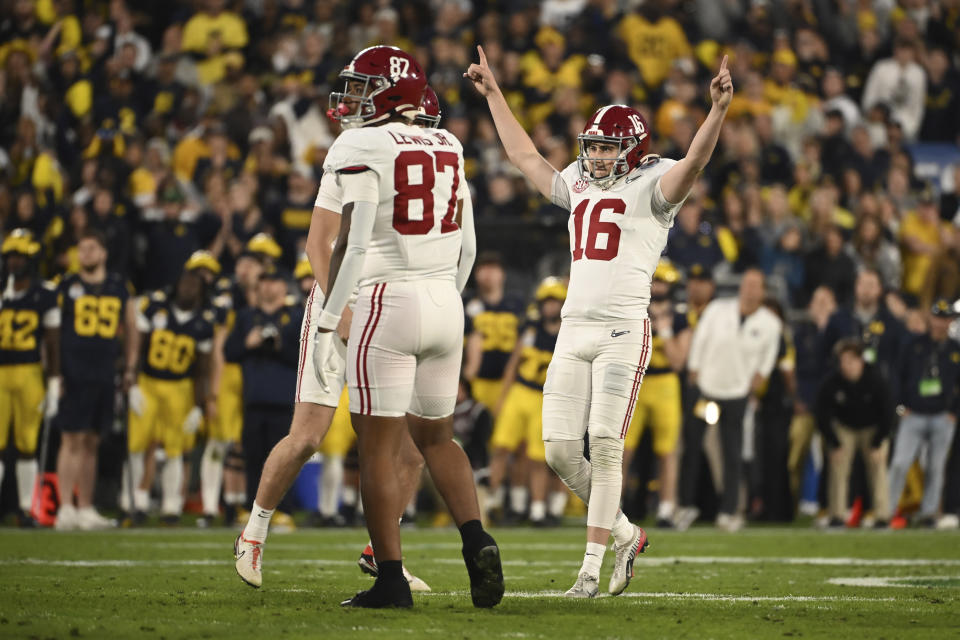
(677, 182)
(518, 145)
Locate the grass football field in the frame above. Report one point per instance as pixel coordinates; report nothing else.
(763, 582)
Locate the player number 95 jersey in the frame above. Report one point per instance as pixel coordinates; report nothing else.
(420, 173)
(616, 238)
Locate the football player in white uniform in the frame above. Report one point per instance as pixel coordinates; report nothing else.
(406, 237)
(315, 404)
(622, 203)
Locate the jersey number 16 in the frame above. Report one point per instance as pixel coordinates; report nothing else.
(595, 227)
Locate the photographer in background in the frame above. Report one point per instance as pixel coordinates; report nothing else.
(266, 342)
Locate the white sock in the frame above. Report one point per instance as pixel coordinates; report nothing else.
(171, 482)
(349, 496)
(211, 476)
(592, 559)
(518, 499)
(259, 523)
(495, 501)
(234, 497)
(141, 497)
(665, 510)
(622, 529)
(331, 482)
(557, 503)
(26, 478)
(538, 510)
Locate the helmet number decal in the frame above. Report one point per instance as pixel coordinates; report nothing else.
(638, 126)
(595, 228)
(399, 67)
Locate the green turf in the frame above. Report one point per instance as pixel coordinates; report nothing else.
(763, 582)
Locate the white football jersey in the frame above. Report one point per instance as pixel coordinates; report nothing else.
(415, 236)
(616, 238)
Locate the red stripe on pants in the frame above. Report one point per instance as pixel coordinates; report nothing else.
(305, 340)
(363, 337)
(637, 378)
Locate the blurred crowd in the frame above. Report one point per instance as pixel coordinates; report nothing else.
(198, 125)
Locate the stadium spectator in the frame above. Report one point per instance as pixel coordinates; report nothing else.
(942, 101)
(831, 266)
(900, 83)
(733, 352)
(929, 373)
(266, 342)
(869, 320)
(929, 266)
(855, 412)
(811, 367)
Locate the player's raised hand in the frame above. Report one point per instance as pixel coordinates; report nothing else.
(481, 76)
(721, 87)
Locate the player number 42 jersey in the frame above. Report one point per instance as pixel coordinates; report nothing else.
(420, 173)
(616, 238)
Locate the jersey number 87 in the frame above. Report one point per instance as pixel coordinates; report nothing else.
(423, 191)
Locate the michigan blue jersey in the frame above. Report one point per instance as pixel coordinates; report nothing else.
(22, 323)
(91, 326)
(499, 325)
(539, 345)
(174, 339)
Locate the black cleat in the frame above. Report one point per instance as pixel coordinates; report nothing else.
(486, 576)
(26, 521)
(381, 596)
(170, 520)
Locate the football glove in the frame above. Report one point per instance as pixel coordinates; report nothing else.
(322, 349)
(135, 400)
(52, 402)
(192, 423)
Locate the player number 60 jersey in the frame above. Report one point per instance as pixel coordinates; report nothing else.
(616, 238)
(420, 173)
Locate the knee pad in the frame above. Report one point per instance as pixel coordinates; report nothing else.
(606, 456)
(564, 456)
(216, 450)
(234, 459)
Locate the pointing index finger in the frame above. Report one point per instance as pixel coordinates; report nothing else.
(483, 56)
(723, 63)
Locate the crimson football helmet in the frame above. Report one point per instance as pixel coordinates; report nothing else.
(393, 82)
(429, 115)
(617, 125)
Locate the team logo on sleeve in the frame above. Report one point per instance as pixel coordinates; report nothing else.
(580, 186)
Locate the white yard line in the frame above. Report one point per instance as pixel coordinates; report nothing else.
(674, 560)
(641, 562)
(674, 595)
(886, 581)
